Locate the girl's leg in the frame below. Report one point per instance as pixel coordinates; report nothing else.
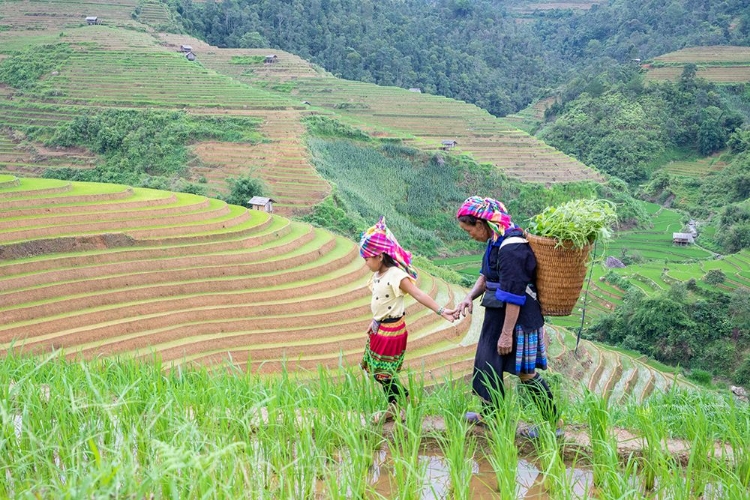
(394, 391)
(542, 396)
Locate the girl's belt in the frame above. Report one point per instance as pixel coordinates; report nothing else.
(390, 320)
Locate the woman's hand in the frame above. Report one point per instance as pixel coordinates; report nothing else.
(505, 343)
(464, 307)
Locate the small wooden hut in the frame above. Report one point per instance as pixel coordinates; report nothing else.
(448, 144)
(261, 203)
(682, 239)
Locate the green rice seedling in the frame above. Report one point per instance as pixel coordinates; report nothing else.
(501, 435)
(655, 460)
(702, 451)
(736, 422)
(556, 480)
(458, 445)
(303, 471)
(406, 441)
(610, 477)
(347, 474)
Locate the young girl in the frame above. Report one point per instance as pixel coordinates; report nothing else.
(393, 277)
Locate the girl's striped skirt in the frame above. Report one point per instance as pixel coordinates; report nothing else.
(385, 349)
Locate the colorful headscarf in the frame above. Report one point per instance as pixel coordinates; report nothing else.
(379, 239)
(489, 210)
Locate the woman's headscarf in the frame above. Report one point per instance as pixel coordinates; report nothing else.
(379, 239)
(489, 210)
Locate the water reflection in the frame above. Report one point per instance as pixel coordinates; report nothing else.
(483, 482)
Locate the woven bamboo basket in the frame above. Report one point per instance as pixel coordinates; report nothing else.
(559, 274)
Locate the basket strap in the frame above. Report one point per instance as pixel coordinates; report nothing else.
(512, 240)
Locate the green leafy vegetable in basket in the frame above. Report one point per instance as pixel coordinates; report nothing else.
(580, 222)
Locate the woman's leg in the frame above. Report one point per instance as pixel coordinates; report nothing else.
(542, 396)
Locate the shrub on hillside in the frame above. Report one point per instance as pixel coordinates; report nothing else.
(700, 376)
(242, 189)
(24, 69)
(742, 374)
(714, 277)
(330, 215)
(328, 127)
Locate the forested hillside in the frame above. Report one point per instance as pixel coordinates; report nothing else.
(473, 50)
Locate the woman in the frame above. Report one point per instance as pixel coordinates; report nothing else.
(512, 339)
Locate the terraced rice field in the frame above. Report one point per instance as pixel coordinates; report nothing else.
(529, 118)
(43, 15)
(100, 269)
(282, 162)
(618, 376)
(113, 67)
(695, 168)
(720, 64)
(153, 13)
(420, 119)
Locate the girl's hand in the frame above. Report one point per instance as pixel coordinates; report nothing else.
(505, 344)
(448, 315)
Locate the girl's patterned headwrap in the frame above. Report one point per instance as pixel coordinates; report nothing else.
(379, 239)
(489, 210)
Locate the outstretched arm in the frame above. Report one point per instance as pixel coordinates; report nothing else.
(466, 306)
(408, 286)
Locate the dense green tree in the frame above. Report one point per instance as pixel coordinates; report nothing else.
(242, 188)
(474, 50)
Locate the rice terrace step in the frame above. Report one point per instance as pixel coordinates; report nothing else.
(189, 286)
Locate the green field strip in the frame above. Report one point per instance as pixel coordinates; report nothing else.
(261, 228)
(9, 181)
(126, 264)
(243, 332)
(145, 199)
(122, 288)
(141, 205)
(204, 305)
(271, 238)
(136, 226)
(49, 192)
(237, 230)
(319, 247)
(35, 187)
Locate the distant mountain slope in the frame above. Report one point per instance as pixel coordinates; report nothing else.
(722, 64)
(498, 54)
(107, 66)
